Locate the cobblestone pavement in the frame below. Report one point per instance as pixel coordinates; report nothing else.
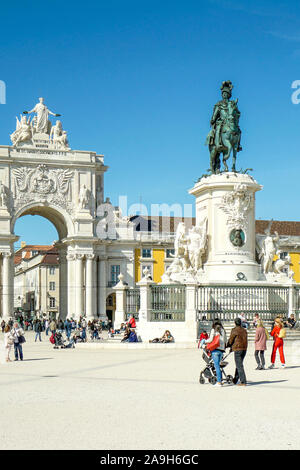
(144, 399)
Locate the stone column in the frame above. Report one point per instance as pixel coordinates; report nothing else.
(63, 293)
(78, 285)
(102, 287)
(7, 287)
(89, 287)
(71, 285)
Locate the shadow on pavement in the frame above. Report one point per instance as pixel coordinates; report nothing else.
(38, 359)
(266, 382)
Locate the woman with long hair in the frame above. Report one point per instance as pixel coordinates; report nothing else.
(278, 334)
(261, 336)
(8, 342)
(217, 354)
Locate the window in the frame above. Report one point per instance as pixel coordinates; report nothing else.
(52, 270)
(52, 302)
(34, 253)
(170, 252)
(114, 273)
(146, 253)
(283, 254)
(51, 285)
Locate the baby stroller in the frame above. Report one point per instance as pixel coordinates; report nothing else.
(59, 341)
(209, 371)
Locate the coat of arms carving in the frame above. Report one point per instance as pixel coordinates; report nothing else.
(42, 183)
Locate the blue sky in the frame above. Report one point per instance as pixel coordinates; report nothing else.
(137, 81)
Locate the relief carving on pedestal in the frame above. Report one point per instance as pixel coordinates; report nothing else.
(236, 205)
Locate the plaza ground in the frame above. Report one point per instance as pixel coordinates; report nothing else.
(144, 399)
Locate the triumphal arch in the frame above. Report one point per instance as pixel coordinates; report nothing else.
(40, 174)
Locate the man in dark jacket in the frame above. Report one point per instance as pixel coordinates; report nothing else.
(38, 329)
(238, 343)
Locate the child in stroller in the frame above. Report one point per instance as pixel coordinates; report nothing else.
(209, 371)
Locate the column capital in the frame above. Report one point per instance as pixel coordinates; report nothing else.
(90, 256)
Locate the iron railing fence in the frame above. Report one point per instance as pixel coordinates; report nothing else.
(297, 302)
(167, 302)
(132, 306)
(226, 302)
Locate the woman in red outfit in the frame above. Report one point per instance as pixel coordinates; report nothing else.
(131, 322)
(278, 334)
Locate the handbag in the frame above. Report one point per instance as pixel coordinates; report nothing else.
(214, 344)
(282, 333)
(21, 339)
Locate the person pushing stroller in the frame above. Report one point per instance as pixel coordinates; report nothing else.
(217, 344)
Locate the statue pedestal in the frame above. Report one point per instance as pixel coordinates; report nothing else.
(228, 202)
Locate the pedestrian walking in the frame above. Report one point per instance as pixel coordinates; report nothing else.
(53, 326)
(38, 329)
(18, 335)
(238, 342)
(217, 332)
(8, 342)
(278, 334)
(46, 327)
(260, 342)
(3, 324)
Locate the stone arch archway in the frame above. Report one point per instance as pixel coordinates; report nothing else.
(41, 177)
(57, 216)
(44, 281)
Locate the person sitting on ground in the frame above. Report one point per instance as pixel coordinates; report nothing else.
(77, 336)
(133, 337)
(166, 338)
(244, 322)
(291, 322)
(111, 333)
(126, 335)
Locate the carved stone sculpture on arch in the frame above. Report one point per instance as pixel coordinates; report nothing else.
(83, 198)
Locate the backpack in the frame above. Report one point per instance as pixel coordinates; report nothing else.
(51, 339)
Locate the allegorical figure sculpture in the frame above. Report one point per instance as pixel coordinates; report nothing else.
(40, 123)
(23, 132)
(225, 134)
(59, 136)
(83, 199)
(189, 249)
(3, 195)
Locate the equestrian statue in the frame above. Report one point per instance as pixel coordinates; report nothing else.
(225, 134)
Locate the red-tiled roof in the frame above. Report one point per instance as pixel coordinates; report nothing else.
(281, 227)
(49, 249)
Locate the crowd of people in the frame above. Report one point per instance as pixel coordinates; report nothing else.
(217, 343)
(79, 331)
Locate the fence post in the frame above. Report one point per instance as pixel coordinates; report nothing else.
(121, 290)
(145, 305)
(191, 309)
(292, 293)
